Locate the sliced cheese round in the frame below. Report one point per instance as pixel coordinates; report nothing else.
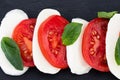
(74, 52)
(9, 22)
(39, 60)
(111, 39)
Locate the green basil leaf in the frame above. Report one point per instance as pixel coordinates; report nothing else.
(106, 14)
(12, 52)
(71, 33)
(117, 51)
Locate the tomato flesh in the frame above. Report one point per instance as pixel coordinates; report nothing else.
(93, 44)
(23, 34)
(50, 42)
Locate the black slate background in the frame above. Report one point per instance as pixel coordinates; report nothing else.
(86, 9)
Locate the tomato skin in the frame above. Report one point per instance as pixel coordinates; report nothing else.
(50, 42)
(23, 34)
(93, 44)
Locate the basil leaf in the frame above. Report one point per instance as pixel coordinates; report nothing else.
(117, 52)
(71, 33)
(12, 52)
(106, 14)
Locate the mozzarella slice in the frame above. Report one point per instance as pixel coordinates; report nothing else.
(39, 60)
(111, 39)
(74, 53)
(9, 22)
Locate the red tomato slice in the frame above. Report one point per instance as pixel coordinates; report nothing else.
(93, 44)
(23, 34)
(50, 42)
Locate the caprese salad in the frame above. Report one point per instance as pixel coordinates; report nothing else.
(52, 43)
(8, 24)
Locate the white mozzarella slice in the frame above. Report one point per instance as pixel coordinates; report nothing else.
(74, 53)
(111, 39)
(9, 22)
(39, 60)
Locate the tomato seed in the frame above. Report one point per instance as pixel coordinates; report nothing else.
(31, 26)
(25, 51)
(92, 52)
(98, 37)
(94, 32)
(56, 52)
(92, 42)
(53, 50)
(91, 49)
(50, 32)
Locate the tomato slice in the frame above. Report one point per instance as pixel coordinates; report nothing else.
(50, 42)
(93, 44)
(23, 34)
